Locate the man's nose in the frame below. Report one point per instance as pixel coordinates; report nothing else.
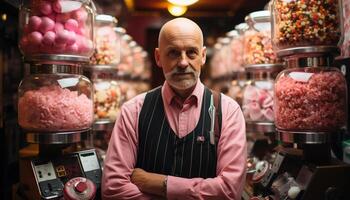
(183, 60)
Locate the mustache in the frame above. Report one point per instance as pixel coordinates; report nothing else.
(180, 70)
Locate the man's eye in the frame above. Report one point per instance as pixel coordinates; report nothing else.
(191, 53)
(173, 53)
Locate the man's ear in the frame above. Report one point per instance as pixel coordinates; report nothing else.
(204, 55)
(157, 57)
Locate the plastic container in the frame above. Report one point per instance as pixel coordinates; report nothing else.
(310, 99)
(257, 39)
(55, 102)
(60, 27)
(257, 104)
(298, 23)
(107, 50)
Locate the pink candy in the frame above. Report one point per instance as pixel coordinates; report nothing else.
(318, 104)
(57, 26)
(45, 8)
(35, 38)
(52, 108)
(71, 25)
(62, 37)
(257, 104)
(34, 23)
(47, 24)
(49, 38)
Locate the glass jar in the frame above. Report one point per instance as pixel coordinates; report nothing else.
(138, 61)
(257, 39)
(126, 62)
(257, 103)
(107, 50)
(220, 60)
(107, 93)
(235, 49)
(310, 98)
(56, 27)
(53, 101)
(298, 23)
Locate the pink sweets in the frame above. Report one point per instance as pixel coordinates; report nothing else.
(52, 108)
(57, 27)
(257, 104)
(310, 101)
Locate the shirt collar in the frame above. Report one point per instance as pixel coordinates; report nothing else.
(169, 95)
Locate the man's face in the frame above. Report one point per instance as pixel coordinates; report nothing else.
(181, 55)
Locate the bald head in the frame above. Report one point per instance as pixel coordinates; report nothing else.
(179, 26)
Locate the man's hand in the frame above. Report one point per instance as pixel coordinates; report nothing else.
(149, 182)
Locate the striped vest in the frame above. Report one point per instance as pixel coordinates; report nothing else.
(161, 151)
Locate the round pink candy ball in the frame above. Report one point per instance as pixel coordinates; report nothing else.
(34, 23)
(72, 48)
(56, 6)
(72, 38)
(47, 24)
(58, 27)
(35, 38)
(62, 37)
(49, 38)
(71, 25)
(45, 7)
(81, 15)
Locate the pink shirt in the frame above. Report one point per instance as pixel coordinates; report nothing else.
(183, 117)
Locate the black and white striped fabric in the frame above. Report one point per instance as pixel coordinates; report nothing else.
(162, 151)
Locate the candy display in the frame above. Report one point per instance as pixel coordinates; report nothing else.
(107, 51)
(310, 99)
(107, 99)
(258, 48)
(56, 27)
(257, 39)
(306, 23)
(52, 108)
(258, 103)
(236, 45)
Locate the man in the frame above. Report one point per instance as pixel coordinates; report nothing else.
(161, 147)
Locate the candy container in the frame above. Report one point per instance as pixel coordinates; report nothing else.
(107, 50)
(257, 104)
(55, 103)
(310, 98)
(298, 23)
(257, 39)
(56, 27)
